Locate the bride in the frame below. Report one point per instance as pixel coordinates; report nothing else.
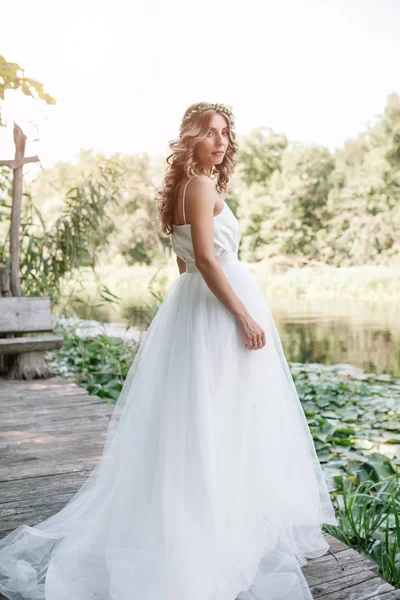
(209, 486)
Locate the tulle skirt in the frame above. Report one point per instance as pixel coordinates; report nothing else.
(208, 488)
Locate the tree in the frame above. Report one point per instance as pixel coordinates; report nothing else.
(52, 254)
(261, 155)
(391, 128)
(365, 197)
(289, 208)
(341, 208)
(12, 78)
(137, 237)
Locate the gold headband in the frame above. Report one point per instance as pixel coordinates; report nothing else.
(218, 107)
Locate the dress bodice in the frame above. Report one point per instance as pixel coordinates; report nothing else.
(226, 236)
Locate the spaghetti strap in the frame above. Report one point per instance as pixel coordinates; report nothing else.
(183, 198)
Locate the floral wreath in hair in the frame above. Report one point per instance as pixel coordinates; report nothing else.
(218, 107)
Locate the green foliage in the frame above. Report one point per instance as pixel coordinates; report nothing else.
(141, 314)
(140, 240)
(295, 203)
(341, 208)
(137, 237)
(391, 129)
(292, 200)
(261, 156)
(368, 519)
(351, 420)
(365, 197)
(51, 255)
(137, 302)
(100, 364)
(12, 78)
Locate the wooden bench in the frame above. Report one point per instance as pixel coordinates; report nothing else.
(25, 355)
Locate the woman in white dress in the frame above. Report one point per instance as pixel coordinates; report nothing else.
(209, 486)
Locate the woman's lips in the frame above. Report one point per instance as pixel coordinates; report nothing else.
(219, 152)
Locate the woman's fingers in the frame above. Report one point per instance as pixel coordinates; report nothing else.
(254, 335)
(256, 342)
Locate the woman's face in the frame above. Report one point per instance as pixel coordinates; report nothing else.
(212, 149)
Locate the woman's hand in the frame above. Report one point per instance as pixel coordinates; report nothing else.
(254, 335)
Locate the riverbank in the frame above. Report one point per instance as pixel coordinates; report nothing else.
(367, 283)
(318, 321)
(138, 286)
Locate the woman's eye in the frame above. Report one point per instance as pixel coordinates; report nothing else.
(212, 133)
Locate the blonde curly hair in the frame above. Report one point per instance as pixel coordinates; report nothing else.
(182, 162)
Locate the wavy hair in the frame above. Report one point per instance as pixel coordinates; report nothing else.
(182, 162)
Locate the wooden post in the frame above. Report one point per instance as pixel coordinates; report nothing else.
(17, 165)
(20, 142)
(29, 364)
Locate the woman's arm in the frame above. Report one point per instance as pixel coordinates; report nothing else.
(201, 197)
(181, 265)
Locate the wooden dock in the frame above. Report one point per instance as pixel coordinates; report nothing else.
(52, 435)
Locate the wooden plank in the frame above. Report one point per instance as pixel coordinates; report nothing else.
(341, 583)
(63, 436)
(364, 590)
(40, 447)
(27, 419)
(48, 398)
(38, 386)
(63, 466)
(334, 544)
(25, 315)
(59, 407)
(32, 487)
(92, 423)
(29, 397)
(25, 397)
(40, 343)
(325, 568)
(71, 400)
(32, 512)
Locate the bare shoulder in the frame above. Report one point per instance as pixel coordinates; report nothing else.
(200, 185)
(201, 197)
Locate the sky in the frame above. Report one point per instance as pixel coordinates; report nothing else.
(123, 72)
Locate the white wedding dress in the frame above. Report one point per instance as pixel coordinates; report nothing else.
(209, 486)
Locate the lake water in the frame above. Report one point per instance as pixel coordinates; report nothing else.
(327, 331)
(340, 331)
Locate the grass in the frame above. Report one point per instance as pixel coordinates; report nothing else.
(136, 287)
(364, 283)
(369, 522)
